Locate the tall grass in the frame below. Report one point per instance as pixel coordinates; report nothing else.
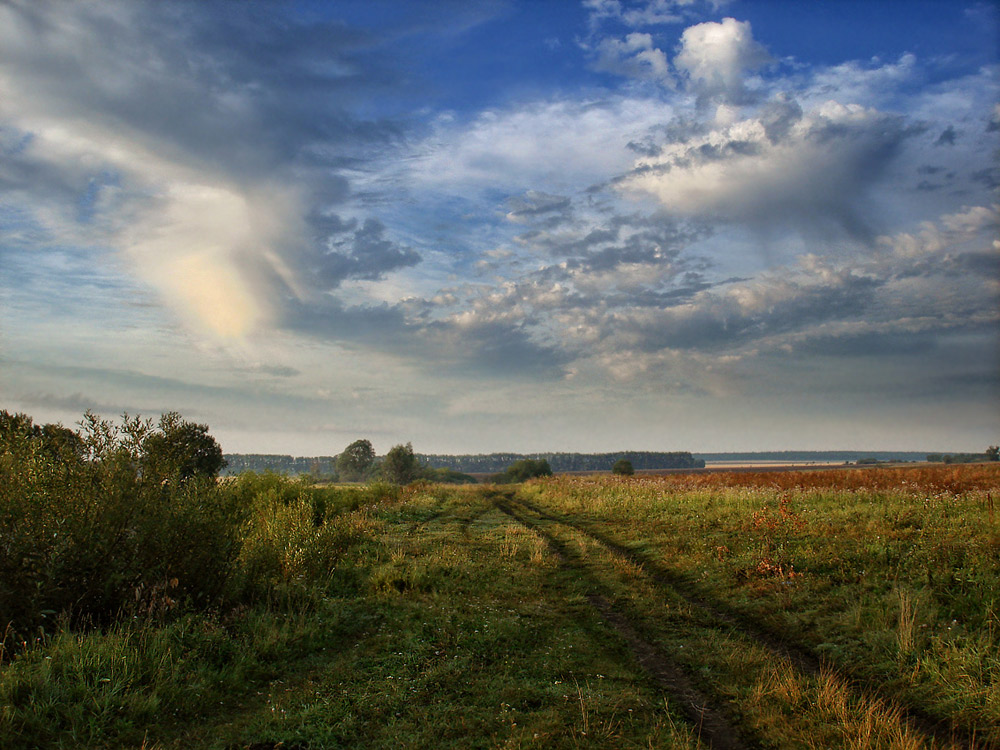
(892, 574)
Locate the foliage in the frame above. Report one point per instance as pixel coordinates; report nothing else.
(180, 450)
(624, 467)
(992, 453)
(127, 519)
(316, 466)
(356, 461)
(400, 466)
(523, 470)
(103, 526)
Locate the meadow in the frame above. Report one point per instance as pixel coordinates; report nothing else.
(815, 609)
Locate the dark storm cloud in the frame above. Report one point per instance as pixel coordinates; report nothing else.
(990, 177)
(499, 348)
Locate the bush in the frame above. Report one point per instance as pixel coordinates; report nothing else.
(124, 520)
(523, 470)
(90, 534)
(624, 467)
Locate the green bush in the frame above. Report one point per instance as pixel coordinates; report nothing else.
(623, 467)
(523, 470)
(120, 521)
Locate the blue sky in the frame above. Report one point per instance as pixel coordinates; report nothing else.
(527, 226)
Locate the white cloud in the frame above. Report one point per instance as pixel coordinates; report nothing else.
(716, 56)
(551, 146)
(634, 57)
(814, 168)
(207, 241)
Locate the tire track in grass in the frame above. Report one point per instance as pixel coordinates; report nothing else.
(803, 659)
(711, 724)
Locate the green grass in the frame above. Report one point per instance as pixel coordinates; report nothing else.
(427, 618)
(896, 586)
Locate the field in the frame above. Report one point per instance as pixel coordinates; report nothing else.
(837, 608)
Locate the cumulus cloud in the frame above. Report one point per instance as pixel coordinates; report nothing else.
(716, 57)
(635, 56)
(782, 167)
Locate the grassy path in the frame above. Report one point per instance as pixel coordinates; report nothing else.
(482, 638)
(711, 723)
(536, 618)
(801, 658)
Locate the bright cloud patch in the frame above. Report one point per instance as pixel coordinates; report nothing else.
(715, 57)
(782, 166)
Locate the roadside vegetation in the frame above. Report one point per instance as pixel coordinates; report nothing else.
(146, 604)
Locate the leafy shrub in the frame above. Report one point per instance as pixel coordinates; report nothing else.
(523, 470)
(129, 519)
(623, 467)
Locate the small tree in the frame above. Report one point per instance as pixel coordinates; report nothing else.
(400, 466)
(624, 467)
(356, 460)
(993, 453)
(180, 449)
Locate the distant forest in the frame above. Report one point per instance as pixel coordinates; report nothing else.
(797, 456)
(292, 465)
(472, 464)
(496, 462)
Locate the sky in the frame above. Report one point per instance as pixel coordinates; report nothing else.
(506, 225)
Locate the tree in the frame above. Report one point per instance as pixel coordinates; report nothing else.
(400, 466)
(993, 453)
(624, 467)
(356, 460)
(181, 450)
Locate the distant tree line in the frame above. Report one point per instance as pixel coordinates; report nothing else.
(818, 456)
(321, 466)
(332, 466)
(560, 462)
(991, 454)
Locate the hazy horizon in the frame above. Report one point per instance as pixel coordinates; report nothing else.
(698, 225)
